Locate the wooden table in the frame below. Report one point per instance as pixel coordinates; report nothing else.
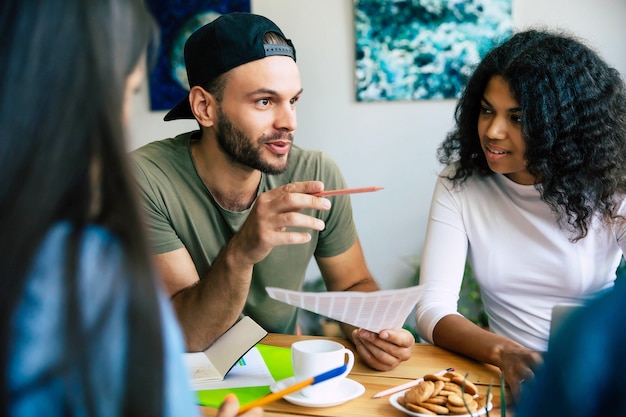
(425, 359)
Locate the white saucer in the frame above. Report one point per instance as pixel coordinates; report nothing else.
(347, 390)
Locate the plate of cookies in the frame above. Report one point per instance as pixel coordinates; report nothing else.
(447, 394)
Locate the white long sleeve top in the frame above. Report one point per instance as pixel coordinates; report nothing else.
(523, 261)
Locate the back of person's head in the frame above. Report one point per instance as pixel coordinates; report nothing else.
(573, 121)
(63, 69)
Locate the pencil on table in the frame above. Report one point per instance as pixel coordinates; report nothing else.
(407, 385)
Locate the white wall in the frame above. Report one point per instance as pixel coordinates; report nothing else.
(392, 144)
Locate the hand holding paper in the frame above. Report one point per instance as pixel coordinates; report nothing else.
(373, 311)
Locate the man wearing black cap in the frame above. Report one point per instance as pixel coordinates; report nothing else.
(230, 207)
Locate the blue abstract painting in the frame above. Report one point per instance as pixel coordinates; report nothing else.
(177, 20)
(424, 49)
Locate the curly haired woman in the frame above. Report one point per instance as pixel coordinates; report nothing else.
(532, 196)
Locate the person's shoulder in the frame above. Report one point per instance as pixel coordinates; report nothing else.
(60, 232)
(163, 148)
(93, 238)
(101, 260)
(446, 175)
(165, 159)
(621, 204)
(466, 187)
(300, 152)
(98, 250)
(448, 170)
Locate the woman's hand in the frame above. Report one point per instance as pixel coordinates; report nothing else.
(518, 364)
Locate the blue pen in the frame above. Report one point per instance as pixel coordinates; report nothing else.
(293, 388)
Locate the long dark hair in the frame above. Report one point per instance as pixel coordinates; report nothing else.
(573, 121)
(63, 69)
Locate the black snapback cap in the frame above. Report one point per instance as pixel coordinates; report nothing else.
(229, 41)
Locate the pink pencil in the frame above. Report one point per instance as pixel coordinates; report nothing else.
(347, 191)
(407, 385)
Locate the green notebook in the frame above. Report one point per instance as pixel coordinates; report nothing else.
(278, 361)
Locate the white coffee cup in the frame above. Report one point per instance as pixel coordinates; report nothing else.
(313, 357)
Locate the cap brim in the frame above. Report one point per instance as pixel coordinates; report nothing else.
(180, 111)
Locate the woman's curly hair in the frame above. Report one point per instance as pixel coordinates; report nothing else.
(573, 122)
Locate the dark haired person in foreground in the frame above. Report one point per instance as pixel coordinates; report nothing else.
(84, 328)
(532, 196)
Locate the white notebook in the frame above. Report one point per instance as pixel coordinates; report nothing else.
(214, 363)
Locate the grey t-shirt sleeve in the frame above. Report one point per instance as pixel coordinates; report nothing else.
(161, 234)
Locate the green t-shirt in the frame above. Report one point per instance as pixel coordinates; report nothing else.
(181, 212)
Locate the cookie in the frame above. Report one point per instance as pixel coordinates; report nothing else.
(434, 378)
(420, 393)
(472, 407)
(470, 388)
(437, 409)
(452, 374)
(438, 387)
(418, 409)
(438, 399)
(457, 399)
(452, 387)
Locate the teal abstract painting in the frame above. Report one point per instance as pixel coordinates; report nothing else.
(423, 49)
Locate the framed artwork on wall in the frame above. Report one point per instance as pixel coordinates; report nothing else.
(177, 20)
(423, 49)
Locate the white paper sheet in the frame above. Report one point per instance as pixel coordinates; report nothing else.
(374, 311)
(250, 371)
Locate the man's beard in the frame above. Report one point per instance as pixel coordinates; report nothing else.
(240, 150)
